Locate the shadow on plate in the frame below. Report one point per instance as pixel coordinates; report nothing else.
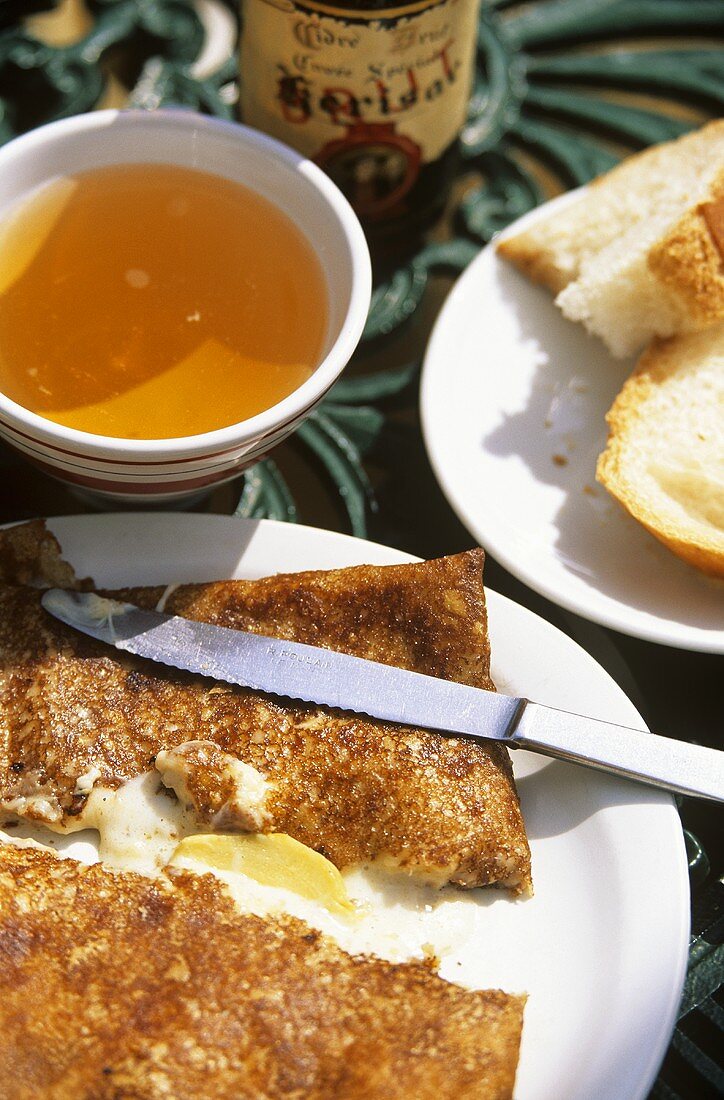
(559, 433)
(123, 549)
(558, 797)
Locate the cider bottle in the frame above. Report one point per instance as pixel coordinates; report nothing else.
(374, 91)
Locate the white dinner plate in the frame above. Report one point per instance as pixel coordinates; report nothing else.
(601, 948)
(513, 400)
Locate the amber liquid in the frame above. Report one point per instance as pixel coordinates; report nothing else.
(149, 301)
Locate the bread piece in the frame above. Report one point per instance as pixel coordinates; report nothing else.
(664, 459)
(76, 715)
(553, 251)
(639, 254)
(114, 985)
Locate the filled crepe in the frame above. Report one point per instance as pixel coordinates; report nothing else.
(79, 721)
(118, 985)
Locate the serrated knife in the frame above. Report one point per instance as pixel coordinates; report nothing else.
(336, 680)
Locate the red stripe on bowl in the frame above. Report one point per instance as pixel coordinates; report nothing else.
(120, 460)
(170, 488)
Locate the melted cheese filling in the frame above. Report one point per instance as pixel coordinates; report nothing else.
(138, 826)
(143, 827)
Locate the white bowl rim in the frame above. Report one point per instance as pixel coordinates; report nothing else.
(255, 428)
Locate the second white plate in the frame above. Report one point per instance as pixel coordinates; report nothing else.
(601, 947)
(513, 402)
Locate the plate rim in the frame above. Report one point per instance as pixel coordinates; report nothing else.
(678, 636)
(648, 1067)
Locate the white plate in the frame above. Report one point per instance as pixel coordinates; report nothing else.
(601, 948)
(509, 383)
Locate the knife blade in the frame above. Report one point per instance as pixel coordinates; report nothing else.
(328, 678)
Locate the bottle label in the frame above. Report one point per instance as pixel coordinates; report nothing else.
(371, 96)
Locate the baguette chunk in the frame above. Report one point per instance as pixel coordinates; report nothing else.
(664, 460)
(640, 253)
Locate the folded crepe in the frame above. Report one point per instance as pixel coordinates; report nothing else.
(77, 718)
(116, 985)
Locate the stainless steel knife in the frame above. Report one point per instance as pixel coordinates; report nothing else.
(381, 691)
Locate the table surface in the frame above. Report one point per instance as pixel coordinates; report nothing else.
(517, 152)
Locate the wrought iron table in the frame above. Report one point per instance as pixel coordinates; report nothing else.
(564, 89)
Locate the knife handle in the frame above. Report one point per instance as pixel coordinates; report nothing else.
(635, 754)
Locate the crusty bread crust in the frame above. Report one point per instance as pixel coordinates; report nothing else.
(527, 251)
(531, 250)
(626, 417)
(689, 262)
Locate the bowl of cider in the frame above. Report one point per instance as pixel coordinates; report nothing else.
(177, 293)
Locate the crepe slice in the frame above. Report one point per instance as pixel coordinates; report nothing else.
(30, 554)
(113, 984)
(78, 719)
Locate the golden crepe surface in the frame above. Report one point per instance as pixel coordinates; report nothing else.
(115, 985)
(30, 554)
(356, 790)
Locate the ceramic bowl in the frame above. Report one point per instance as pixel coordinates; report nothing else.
(167, 471)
